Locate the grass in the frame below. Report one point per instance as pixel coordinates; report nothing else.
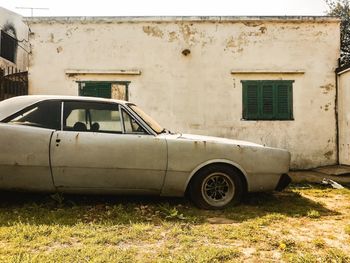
(305, 223)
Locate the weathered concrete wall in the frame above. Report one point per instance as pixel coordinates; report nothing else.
(13, 24)
(201, 92)
(344, 117)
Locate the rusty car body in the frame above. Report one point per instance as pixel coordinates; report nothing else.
(93, 145)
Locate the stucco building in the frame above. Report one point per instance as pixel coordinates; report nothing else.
(14, 45)
(343, 81)
(14, 50)
(270, 80)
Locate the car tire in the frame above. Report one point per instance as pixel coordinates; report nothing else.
(216, 187)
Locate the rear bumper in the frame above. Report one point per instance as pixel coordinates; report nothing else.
(284, 181)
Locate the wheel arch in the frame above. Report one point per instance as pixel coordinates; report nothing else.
(236, 167)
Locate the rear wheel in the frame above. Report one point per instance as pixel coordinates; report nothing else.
(215, 187)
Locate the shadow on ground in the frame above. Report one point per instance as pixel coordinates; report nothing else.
(39, 209)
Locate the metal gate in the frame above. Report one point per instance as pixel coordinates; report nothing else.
(13, 82)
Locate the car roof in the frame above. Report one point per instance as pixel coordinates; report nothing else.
(15, 104)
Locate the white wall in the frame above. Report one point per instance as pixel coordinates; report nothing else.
(198, 93)
(344, 118)
(13, 20)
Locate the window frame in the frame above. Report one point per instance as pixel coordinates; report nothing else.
(81, 86)
(32, 106)
(139, 121)
(148, 130)
(120, 108)
(87, 102)
(260, 115)
(123, 123)
(15, 46)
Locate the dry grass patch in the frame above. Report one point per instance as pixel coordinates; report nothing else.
(306, 223)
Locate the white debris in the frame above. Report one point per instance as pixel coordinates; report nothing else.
(332, 183)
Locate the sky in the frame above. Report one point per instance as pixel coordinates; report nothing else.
(168, 8)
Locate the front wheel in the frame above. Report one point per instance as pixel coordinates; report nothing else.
(216, 187)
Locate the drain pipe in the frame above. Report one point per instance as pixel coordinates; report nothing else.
(336, 116)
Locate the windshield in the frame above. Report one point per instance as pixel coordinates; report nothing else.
(151, 122)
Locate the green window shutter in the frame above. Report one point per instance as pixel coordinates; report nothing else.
(284, 100)
(250, 100)
(267, 101)
(105, 92)
(97, 89)
(89, 91)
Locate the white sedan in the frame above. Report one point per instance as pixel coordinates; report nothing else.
(103, 146)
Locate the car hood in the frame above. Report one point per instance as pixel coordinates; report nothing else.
(202, 138)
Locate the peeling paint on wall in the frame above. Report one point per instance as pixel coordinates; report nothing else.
(188, 33)
(59, 49)
(173, 36)
(153, 31)
(263, 29)
(327, 88)
(326, 106)
(252, 24)
(328, 154)
(237, 44)
(52, 38)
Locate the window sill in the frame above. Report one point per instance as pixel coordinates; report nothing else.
(74, 72)
(296, 71)
(268, 119)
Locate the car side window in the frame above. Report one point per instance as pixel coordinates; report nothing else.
(131, 125)
(91, 117)
(45, 114)
(77, 115)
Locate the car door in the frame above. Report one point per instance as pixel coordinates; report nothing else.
(25, 141)
(95, 153)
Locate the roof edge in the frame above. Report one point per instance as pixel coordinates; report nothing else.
(128, 19)
(342, 69)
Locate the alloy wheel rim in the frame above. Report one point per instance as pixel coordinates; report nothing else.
(218, 189)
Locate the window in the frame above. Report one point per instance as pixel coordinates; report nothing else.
(96, 89)
(131, 125)
(146, 118)
(8, 47)
(102, 89)
(267, 99)
(44, 114)
(91, 116)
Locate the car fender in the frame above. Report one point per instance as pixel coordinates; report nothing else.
(224, 161)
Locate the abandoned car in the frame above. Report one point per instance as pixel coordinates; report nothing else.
(103, 146)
